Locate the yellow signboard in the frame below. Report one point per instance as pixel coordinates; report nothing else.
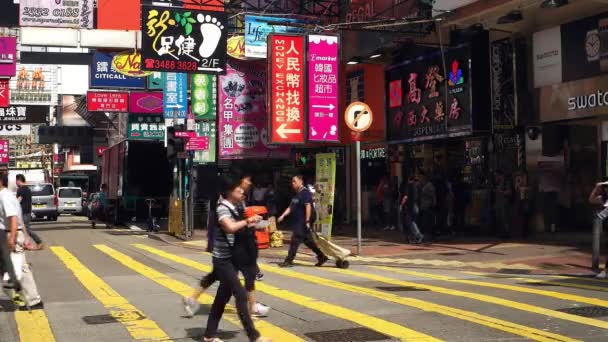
(129, 63)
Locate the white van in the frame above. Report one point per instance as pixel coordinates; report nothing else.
(69, 200)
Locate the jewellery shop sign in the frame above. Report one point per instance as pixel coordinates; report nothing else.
(183, 40)
(24, 114)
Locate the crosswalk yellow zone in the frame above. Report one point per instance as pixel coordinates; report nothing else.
(136, 323)
(374, 323)
(554, 281)
(33, 326)
(265, 328)
(553, 294)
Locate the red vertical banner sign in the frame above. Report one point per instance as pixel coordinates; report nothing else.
(4, 94)
(287, 97)
(4, 152)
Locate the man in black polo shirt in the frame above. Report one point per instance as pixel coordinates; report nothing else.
(300, 209)
(24, 195)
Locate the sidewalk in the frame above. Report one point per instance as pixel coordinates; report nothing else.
(566, 254)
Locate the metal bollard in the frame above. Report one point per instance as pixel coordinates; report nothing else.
(597, 234)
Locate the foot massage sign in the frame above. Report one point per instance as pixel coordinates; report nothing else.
(182, 40)
(323, 88)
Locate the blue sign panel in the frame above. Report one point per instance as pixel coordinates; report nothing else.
(103, 74)
(257, 29)
(175, 95)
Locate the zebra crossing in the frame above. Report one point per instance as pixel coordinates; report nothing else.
(131, 292)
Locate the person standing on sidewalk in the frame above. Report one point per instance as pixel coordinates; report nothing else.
(409, 210)
(24, 195)
(301, 208)
(9, 213)
(231, 255)
(599, 198)
(428, 204)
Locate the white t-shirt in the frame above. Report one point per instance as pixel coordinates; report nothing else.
(9, 206)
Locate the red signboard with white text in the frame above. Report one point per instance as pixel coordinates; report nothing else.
(286, 66)
(4, 151)
(107, 101)
(4, 95)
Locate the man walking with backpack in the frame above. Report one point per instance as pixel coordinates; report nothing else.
(301, 209)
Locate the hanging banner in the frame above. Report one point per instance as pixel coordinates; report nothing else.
(24, 114)
(148, 127)
(242, 113)
(4, 152)
(206, 129)
(45, 13)
(4, 94)
(257, 29)
(287, 91)
(35, 84)
(183, 40)
(325, 185)
(107, 101)
(175, 95)
(8, 56)
(323, 94)
(105, 75)
(146, 102)
(156, 81)
(17, 130)
(204, 96)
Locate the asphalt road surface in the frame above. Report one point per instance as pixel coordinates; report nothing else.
(119, 285)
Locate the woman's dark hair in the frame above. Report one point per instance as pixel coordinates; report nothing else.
(228, 184)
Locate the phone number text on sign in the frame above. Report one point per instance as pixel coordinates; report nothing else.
(287, 98)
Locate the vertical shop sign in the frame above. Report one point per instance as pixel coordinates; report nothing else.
(325, 182)
(183, 40)
(503, 86)
(8, 56)
(287, 92)
(175, 95)
(4, 94)
(323, 97)
(156, 81)
(4, 152)
(206, 129)
(242, 116)
(204, 96)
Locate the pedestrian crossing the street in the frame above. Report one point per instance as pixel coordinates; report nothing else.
(131, 288)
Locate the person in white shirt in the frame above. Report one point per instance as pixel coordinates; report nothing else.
(9, 213)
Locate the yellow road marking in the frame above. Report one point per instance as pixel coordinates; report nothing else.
(513, 328)
(265, 328)
(138, 325)
(377, 324)
(33, 326)
(558, 295)
(551, 282)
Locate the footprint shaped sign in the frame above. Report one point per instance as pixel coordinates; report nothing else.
(183, 40)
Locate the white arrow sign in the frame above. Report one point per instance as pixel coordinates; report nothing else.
(330, 106)
(282, 131)
(175, 106)
(211, 69)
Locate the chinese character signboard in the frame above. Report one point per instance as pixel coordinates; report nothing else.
(197, 144)
(149, 127)
(35, 84)
(107, 101)
(4, 94)
(503, 84)
(325, 181)
(287, 89)
(146, 102)
(46, 13)
(258, 28)
(323, 93)
(206, 129)
(8, 56)
(4, 152)
(426, 101)
(204, 96)
(156, 81)
(242, 114)
(182, 40)
(104, 74)
(175, 95)
(24, 114)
